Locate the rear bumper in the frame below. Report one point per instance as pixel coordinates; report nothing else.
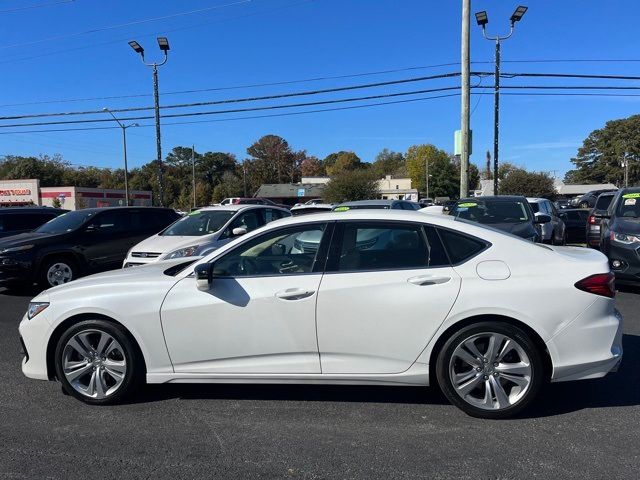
(590, 346)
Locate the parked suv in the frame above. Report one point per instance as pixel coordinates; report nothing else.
(595, 219)
(15, 220)
(620, 234)
(202, 231)
(78, 243)
(553, 232)
(511, 214)
(588, 200)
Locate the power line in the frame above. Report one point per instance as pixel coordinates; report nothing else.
(121, 25)
(242, 100)
(570, 75)
(39, 5)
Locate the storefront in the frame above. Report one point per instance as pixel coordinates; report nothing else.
(16, 193)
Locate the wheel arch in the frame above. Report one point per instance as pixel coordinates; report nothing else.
(451, 330)
(68, 254)
(64, 325)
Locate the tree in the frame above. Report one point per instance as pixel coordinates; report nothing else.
(505, 168)
(213, 165)
(349, 185)
(50, 170)
(230, 186)
(600, 158)
(273, 161)
(55, 203)
(312, 167)
(389, 163)
(443, 175)
(474, 174)
(528, 184)
(342, 162)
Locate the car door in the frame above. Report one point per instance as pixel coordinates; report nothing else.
(259, 313)
(104, 241)
(387, 288)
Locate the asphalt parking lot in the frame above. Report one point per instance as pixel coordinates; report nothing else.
(586, 429)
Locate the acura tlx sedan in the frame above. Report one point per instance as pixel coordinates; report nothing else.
(369, 297)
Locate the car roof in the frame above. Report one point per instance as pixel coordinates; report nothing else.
(31, 209)
(512, 198)
(368, 202)
(237, 207)
(103, 209)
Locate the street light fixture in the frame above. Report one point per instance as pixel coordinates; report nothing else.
(163, 43)
(483, 19)
(124, 147)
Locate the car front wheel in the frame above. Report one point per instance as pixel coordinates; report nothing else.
(97, 362)
(490, 370)
(57, 271)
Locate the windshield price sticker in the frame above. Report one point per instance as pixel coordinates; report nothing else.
(341, 209)
(467, 205)
(196, 212)
(631, 195)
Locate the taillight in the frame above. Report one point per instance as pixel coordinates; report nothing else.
(599, 284)
(592, 219)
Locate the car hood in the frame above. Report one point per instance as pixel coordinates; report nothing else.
(115, 279)
(627, 225)
(169, 243)
(24, 238)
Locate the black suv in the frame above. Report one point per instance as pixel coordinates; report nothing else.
(620, 234)
(588, 200)
(14, 220)
(78, 243)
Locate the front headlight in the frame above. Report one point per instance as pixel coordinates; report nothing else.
(623, 238)
(35, 308)
(16, 249)
(183, 252)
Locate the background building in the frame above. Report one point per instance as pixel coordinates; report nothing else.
(14, 193)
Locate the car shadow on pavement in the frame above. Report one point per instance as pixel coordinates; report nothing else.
(620, 389)
(22, 291)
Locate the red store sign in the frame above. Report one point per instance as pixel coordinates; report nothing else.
(15, 192)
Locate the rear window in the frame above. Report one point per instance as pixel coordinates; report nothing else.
(491, 212)
(603, 202)
(460, 247)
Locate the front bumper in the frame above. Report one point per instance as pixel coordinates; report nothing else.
(15, 269)
(629, 258)
(590, 346)
(34, 335)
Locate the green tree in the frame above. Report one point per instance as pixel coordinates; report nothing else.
(389, 163)
(312, 167)
(231, 185)
(349, 185)
(273, 161)
(50, 170)
(213, 165)
(443, 175)
(55, 203)
(344, 161)
(528, 184)
(601, 157)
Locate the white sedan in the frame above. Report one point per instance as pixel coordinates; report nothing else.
(359, 297)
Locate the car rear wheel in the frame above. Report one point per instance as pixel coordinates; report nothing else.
(57, 271)
(98, 363)
(490, 370)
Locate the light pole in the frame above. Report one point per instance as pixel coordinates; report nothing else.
(124, 148)
(163, 43)
(193, 173)
(483, 19)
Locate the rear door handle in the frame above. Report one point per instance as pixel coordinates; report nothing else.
(294, 294)
(425, 280)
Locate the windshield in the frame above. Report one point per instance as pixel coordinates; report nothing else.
(491, 212)
(67, 222)
(200, 222)
(629, 205)
(603, 202)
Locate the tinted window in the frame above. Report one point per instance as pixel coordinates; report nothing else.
(460, 247)
(574, 216)
(113, 221)
(492, 211)
(23, 221)
(437, 254)
(535, 207)
(382, 246)
(66, 222)
(285, 251)
(603, 202)
(249, 220)
(199, 222)
(271, 214)
(378, 206)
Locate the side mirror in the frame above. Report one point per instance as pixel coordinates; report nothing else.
(563, 216)
(543, 218)
(204, 276)
(236, 232)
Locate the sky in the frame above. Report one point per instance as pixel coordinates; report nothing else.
(53, 50)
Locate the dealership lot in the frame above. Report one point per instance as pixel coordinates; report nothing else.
(574, 430)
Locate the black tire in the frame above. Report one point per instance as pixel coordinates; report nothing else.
(127, 349)
(71, 268)
(443, 370)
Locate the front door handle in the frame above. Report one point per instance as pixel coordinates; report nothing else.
(294, 294)
(424, 280)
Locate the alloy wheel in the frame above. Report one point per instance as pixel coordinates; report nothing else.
(490, 371)
(59, 273)
(94, 364)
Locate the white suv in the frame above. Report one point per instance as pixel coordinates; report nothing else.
(202, 231)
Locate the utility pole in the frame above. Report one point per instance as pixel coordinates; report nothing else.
(124, 148)
(163, 43)
(466, 98)
(426, 174)
(483, 19)
(193, 173)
